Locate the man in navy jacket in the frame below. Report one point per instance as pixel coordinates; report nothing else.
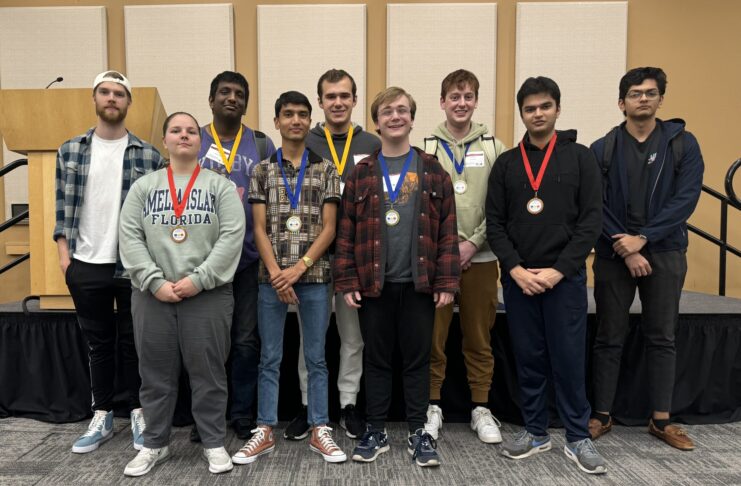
(652, 177)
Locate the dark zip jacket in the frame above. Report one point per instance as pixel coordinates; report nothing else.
(563, 234)
(674, 189)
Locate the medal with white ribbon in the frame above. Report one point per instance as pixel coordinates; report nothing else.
(536, 205)
(179, 234)
(460, 185)
(293, 223)
(392, 215)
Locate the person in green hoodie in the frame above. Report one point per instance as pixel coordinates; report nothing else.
(467, 153)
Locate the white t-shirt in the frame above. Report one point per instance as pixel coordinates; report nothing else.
(97, 241)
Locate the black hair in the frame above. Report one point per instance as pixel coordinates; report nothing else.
(538, 85)
(637, 76)
(293, 98)
(230, 77)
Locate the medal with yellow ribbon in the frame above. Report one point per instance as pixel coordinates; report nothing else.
(227, 161)
(340, 164)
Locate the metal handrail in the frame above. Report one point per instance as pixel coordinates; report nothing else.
(15, 219)
(722, 242)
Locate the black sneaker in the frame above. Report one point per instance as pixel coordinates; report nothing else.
(299, 427)
(352, 422)
(243, 428)
(372, 443)
(422, 447)
(194, 435)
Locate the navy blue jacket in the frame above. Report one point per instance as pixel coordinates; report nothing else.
(674, 189)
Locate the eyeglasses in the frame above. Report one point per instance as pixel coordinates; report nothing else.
(650, 94)
(388, 112)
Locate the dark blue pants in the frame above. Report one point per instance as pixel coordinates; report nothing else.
(245, 351)
(548, 333)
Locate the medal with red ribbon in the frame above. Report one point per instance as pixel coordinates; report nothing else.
(179, 234)
(536, 205)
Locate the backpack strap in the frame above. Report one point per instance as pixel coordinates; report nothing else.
(677, 145)
(606, 160)
(261, 142)
(490, 149)
(431, 145)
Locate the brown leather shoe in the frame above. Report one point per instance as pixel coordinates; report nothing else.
(597, 430)
(673, 435)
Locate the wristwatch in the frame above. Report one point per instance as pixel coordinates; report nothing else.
(643, 237)
(307, 261)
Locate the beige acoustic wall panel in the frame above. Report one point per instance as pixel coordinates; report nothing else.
(583, 47)
(297, 44)
(179, 49)
(38, 44)
(427, 41)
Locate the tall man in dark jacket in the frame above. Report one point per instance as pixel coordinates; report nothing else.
(396, 261)
(543, 214)
(652, 177)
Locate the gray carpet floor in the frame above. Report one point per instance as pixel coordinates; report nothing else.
(33, 452)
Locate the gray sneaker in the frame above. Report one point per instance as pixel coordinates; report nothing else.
(525, 445)
(585, 455)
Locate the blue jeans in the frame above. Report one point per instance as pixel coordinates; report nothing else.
(271, 319)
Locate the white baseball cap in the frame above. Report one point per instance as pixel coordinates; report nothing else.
(112, 77)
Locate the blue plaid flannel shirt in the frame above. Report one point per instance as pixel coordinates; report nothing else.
(73, 165)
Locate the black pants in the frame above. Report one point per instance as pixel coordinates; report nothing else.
(549, 333)
(93, 291)
(405, 316)
(614, 290)
(245, 350)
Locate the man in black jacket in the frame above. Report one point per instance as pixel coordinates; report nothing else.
(543, 215)
(652, 178)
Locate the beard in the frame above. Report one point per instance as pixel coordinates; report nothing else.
(112, 118)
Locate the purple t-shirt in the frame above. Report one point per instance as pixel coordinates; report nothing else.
(244, 161)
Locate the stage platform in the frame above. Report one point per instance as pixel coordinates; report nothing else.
(44, 369)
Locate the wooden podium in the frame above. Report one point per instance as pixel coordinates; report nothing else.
(37, 122)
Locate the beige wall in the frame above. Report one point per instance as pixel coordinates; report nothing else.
(696, 42)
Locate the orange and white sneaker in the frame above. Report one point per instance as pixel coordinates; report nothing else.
(261, 443)
(322, 442)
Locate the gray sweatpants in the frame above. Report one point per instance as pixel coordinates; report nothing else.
(196, 333)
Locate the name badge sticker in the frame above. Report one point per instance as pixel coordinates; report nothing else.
(342, 188)
(213, 154)
(475, 159)
(357, 158)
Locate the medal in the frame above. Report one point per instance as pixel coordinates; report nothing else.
(178, 233)
(460, 186)
(536, 205)
(293, 224)
(224, 160)
(392, 217)
(340, 164)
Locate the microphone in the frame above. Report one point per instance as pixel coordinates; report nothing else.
(58, 80)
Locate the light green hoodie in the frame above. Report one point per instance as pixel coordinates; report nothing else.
(470, 206)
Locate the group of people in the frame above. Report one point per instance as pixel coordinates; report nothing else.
(204, 264)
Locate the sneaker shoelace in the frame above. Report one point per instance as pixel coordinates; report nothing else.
(96, 424)
(586, 449)
(487, 418)
(435, 415)
(139, 421)
(254, 442)
(326, 440)
(523, 437)
(425, 442)
(368, 440)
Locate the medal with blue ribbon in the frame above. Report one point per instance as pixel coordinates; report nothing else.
(460, 185)
(392, 215)
(293, 224)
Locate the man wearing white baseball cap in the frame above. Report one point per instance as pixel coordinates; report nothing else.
(94, 174)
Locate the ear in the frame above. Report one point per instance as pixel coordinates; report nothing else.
(558, 111)
(275, 120)
(211, 103)
(354, 101)
(319, 100)
(442, 103)
(621, 105)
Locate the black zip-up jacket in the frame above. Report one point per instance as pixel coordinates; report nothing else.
(563, 234)
(674, 189)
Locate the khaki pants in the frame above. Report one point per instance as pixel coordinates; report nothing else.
(477, 311)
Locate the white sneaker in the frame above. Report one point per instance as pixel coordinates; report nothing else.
(218, 460)
(434, 421)
(485, 425)
(146, 460)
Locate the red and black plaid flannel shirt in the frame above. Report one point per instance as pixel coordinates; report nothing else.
(359, 262)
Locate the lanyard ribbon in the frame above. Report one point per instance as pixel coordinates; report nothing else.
(227, 161)
(293, 195)
(394, 191)
(535, 183)
(340, 164)
(458, 165)
(178, 206)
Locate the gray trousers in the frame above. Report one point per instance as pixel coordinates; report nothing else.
(194, 333)
(614, 290)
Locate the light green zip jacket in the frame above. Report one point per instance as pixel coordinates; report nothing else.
(470, 206)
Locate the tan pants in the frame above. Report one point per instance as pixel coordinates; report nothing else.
(477, 311)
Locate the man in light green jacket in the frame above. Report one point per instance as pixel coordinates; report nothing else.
(467, 152)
